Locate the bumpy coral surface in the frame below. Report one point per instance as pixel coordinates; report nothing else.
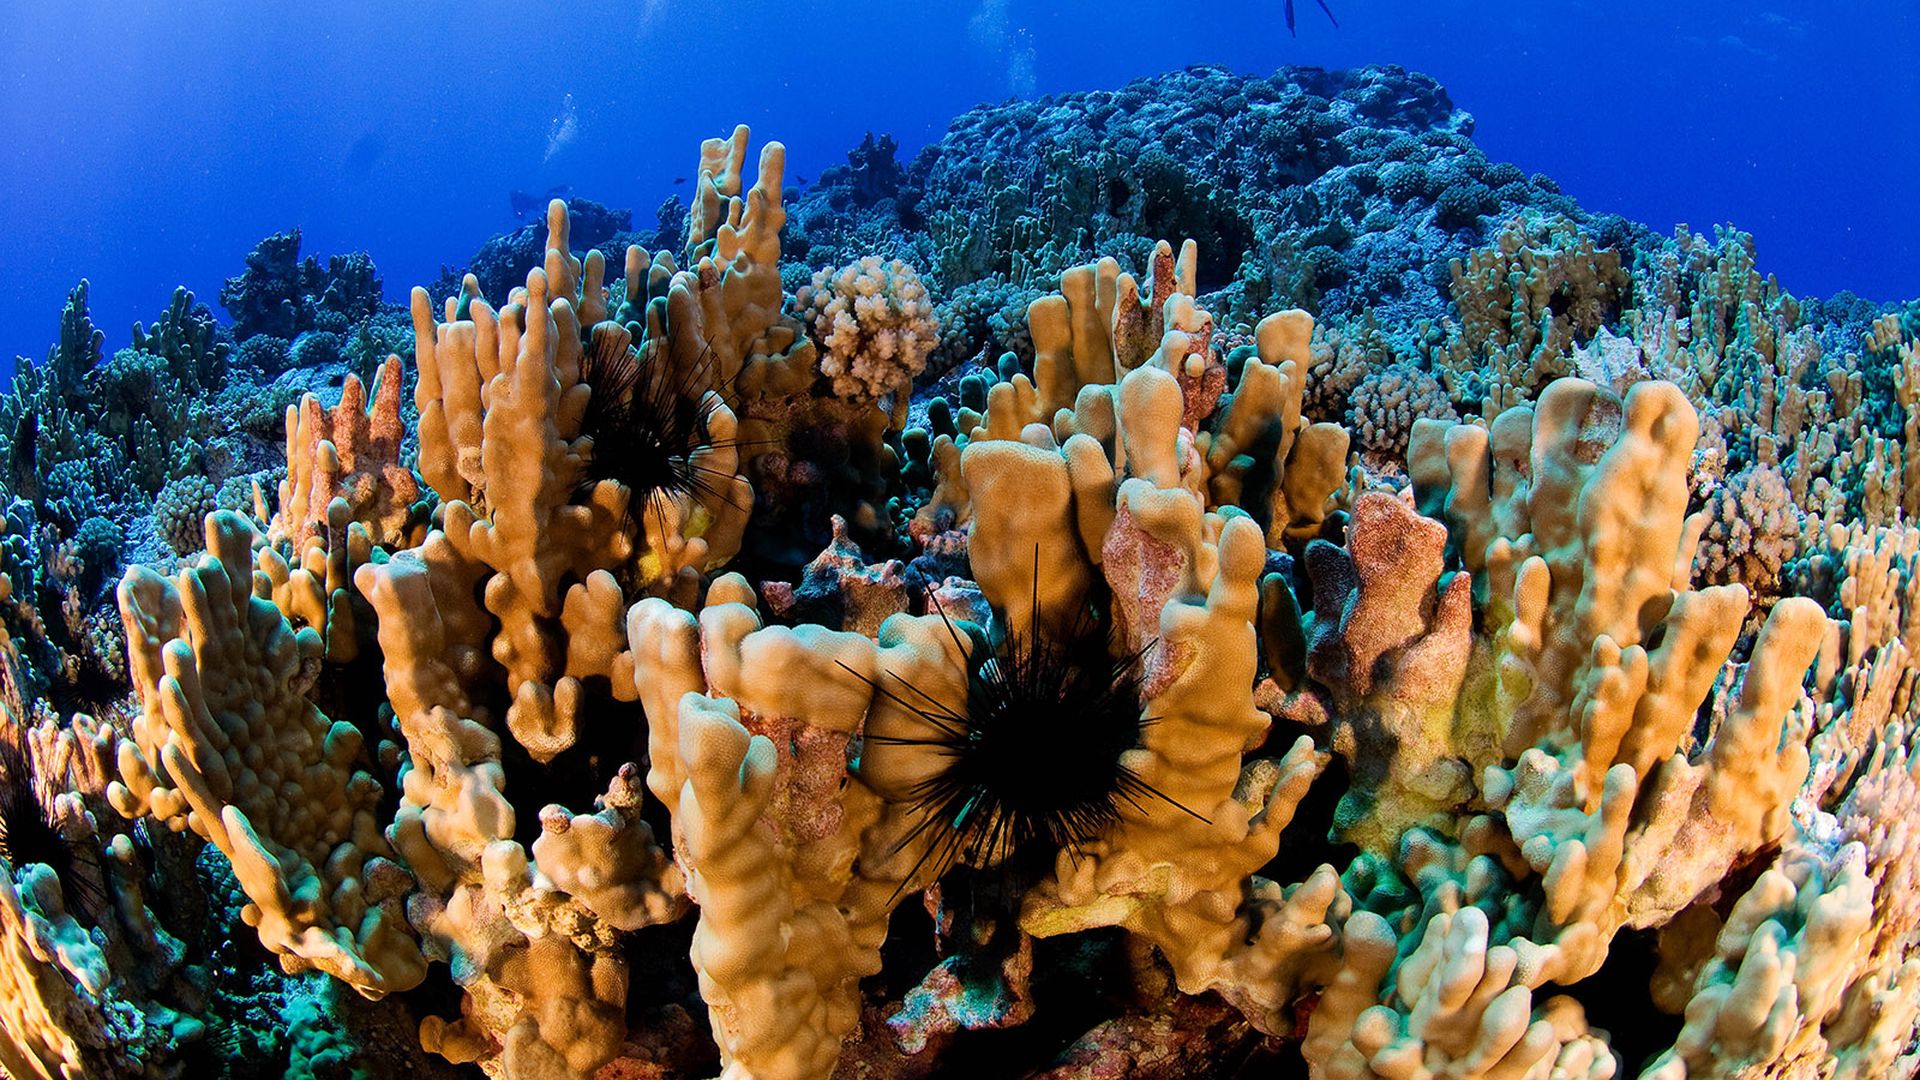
(617, 665)
(875, 325)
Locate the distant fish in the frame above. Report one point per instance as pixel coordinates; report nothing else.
(366, 151)
(679, 179)
(1323, 7)
(798, 179)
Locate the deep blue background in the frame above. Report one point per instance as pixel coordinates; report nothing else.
(144, 145)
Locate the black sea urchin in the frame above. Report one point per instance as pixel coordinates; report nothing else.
(649, 426)
(1036, 758)
(26, 834)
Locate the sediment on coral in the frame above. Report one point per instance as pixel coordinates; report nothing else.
(1019, 648)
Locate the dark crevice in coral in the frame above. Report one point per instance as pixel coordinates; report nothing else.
(1307, 841)
(909, 952)
(1741, 876)
(654, 813)
(437, 995)
(1615, 998)
(1275, 1060)
(166, 859)
(1247, 1054)
(1079, 982)
(357, 693)
(664, 1010)
(611, 734)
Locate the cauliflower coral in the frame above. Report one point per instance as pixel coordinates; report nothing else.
(874, 323)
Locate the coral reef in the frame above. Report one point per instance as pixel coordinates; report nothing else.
(284, 296)
(1081, 661)
(1345, 191)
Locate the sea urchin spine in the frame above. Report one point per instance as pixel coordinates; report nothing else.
(1036, 758)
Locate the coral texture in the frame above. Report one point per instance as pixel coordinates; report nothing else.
(615, 665)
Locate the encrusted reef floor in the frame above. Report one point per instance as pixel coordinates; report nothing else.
(1209, 579)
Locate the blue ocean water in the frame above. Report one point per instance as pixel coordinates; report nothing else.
(152, 144)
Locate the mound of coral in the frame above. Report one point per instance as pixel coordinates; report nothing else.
(1018, 648)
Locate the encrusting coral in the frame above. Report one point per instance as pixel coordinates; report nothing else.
(681, 689)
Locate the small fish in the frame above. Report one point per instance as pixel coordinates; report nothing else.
(679, 179)
(798, 179)
(1323, 7)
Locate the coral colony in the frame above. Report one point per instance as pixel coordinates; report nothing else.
(971, 620)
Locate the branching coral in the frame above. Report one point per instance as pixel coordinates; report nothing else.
(1541, 288)
(875, 324)
(526, 940)
(350, 451)
(1600, 659)
(1384, 404)
(228, 745)
(86, 444)
(1256, 450)
(795, 856)
(1752, 528)
(507, 462)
